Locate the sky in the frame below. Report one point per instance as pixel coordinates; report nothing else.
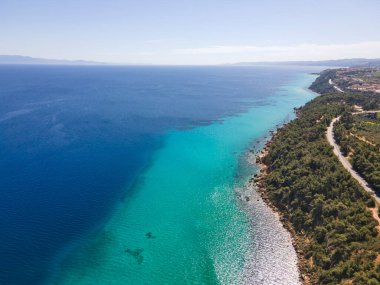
(190, 32)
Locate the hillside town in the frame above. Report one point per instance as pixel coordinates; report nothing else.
(358, 79)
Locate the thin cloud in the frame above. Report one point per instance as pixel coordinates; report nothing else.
(302, 51)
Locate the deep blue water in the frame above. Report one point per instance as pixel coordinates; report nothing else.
(74, 139)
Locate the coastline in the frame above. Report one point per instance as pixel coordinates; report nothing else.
(117, 241)
(301, 179)
(298, 240)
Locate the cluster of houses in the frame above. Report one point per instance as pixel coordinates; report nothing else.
(367, 87)
(359, 79)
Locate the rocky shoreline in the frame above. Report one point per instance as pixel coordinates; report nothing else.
(299, 241)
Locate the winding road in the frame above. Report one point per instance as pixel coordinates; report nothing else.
(335, 87)
(344, 161)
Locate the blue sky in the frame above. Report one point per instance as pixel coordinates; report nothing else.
(190, 32)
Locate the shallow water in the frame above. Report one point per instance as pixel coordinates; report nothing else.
(182, 223)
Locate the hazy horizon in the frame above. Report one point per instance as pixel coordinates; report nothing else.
(27, 60)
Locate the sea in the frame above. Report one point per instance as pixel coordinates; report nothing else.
(139, 174)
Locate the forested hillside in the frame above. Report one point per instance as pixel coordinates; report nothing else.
(326, 206)
(362, 150)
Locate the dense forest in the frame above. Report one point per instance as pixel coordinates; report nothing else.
(327, 208)
(321, 84)
(363, 153)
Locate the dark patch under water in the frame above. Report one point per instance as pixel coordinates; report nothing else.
(136, 254)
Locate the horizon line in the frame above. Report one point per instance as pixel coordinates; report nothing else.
(83, 62)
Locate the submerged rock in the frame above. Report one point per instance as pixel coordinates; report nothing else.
(149, 235)
(136, 254)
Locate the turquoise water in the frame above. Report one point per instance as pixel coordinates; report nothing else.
(183, 222)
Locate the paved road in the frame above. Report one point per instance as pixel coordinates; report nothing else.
(346, 164)
(336, 87)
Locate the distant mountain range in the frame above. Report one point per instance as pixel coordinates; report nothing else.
(19, 59)
(352, 62)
